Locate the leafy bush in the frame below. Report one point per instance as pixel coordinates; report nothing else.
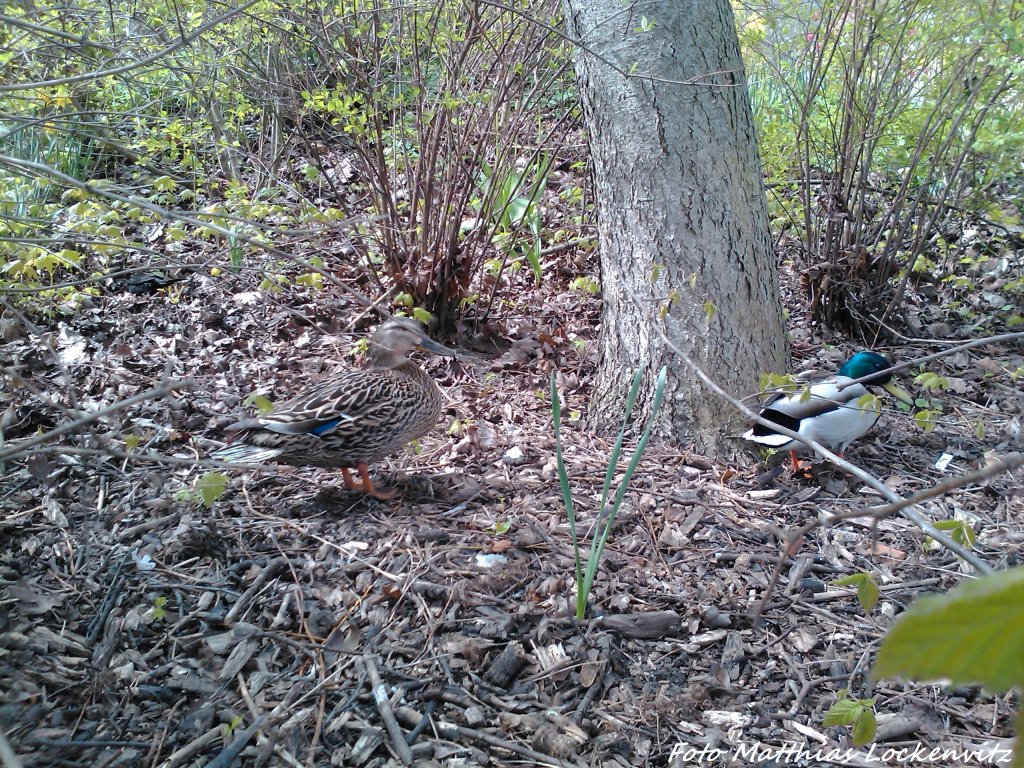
(451, 116)
(439, 103)
(877, 124)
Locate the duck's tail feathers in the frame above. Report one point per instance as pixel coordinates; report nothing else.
(770, 440)
(246, 454)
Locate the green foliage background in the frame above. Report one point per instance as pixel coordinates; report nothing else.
(895, 111)
(229, 115)
(884, 127)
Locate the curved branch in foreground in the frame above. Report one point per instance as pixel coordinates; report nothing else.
(908, 511)
(1007, 463)
(22, 447)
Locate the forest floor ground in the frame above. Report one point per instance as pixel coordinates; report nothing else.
(140, 627)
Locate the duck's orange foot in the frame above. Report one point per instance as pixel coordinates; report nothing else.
(800, 469)
(366, 484)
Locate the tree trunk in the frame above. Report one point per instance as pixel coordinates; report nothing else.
(683, 228)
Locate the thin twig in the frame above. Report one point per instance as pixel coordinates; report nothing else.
(162, 389)
(896, 586)
(697, 80)
(452, 731)
(194, 747)
(270, 571)
(944, 353)
(998, 466)
(380, 697)
(1004, 464)
(181, 42)
(157, 458)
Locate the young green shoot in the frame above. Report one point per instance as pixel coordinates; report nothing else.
(607, 512)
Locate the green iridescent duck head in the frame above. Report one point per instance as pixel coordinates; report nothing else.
(870, 363)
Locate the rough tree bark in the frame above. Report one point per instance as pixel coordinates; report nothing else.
(683, 228)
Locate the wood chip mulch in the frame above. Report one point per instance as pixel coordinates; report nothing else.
(294, 624)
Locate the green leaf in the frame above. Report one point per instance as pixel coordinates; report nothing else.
(517, 209)
(931, 382)
(501, 527)
(842, 712)
(864, 728)
(869, 402)
(859, 713)
(926, 419)
(782, 382)
(533, 259)
(959, 531)
(867, 589)
(972, 635)
(867, 594)
(585, 285)
(262, 405)
(210, 487)
(229, 728)
(164, 184)
(314, 280)
(131, 442)
(158, 611)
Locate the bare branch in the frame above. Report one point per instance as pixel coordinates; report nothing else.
(82, 40)
(944, 353)
(701, 80)
(1000, 465)
(22, 447)
(997, 466)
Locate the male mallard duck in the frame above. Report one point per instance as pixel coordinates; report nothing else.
(830, 412)
(351, 420)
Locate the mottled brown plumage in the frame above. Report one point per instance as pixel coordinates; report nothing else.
(354, 419)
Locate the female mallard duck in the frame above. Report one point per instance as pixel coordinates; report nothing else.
(353, 419)
(828, 411)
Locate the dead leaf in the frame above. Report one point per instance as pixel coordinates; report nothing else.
(31, 599)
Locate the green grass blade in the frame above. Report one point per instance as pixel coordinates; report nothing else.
(609, 519)
(614, 459)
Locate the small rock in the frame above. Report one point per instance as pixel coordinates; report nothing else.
(514, 456)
